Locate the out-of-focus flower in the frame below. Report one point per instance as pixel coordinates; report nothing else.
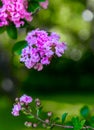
(26, 99)
(16, 109)
(44, 4)
(23, 100)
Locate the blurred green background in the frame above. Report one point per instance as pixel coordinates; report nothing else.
(68, 82)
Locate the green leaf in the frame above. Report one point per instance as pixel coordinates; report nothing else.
(56, 119)
(29, 28)
(64, 117)
(30, 116)
(48, 127)
(17, 48)
(85, 111)
(42, 0)
(2, 29)
(32, 7)
(91, 121)
(77, 123)
(11, 31)
(82, 123)
(0, 3)
(39, 110)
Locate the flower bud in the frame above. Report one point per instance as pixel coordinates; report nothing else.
(49, 114)
(28, 124)
(34, 125)
(37, 100)
(22, 103)
(38, 103)
(16, 99)
(23, 109)
(47, 121)
(44, 125)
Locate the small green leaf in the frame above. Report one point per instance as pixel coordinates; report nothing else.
(56, 119)
(39, 110)
(92, 118)
(48, 127)
(11, 31)
(2, 29)
(30, 116)
(82, 123)
(77, 123)
(91, 121)
(0, 3)
(64, 117)
(85, 111)
(17, 48)
(32, 7)
(29, 28)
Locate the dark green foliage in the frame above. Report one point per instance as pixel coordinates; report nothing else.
(85, 111)
(2, 29)
(12, 31)
(39, 0)
(0, 3)
(77, 123)
(33, 6)
(39, 110)
(17, 48)
(64, 117)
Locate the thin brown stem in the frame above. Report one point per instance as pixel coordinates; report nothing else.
(63, 126)
(58, 125)
(71, 127)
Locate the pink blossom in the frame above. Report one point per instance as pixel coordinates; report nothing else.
(45, 61)
(44, 4)
(38, 66)
(59, 49)
(26, 99)
(16, 109)
(55, 36)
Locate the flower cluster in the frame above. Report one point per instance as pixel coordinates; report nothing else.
(23, 100)
(33, 112)
(15, 11)
(42, 47)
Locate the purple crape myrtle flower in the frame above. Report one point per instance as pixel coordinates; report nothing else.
(25, 99)
(16, 109)
(18, 106)
(41, 48)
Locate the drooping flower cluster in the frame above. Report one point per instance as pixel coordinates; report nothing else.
(15, 11)
(41, 48)
(23, 100)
